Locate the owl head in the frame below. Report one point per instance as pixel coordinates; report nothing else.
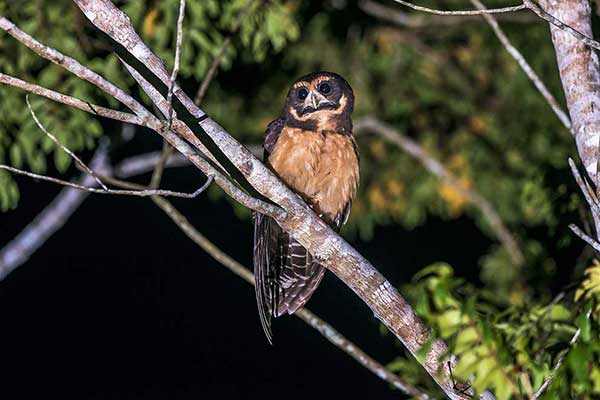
(319, 99)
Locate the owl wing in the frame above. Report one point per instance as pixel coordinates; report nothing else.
(266, 251)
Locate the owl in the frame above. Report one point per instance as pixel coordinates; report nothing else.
(313, 152)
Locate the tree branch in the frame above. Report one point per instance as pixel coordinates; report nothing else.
(71, 101)
(580, 76)
(178, 44)
(413, 149)
(51, 219)
(461, 12)
(421, 21)
(78, 161)
(533, 77)
(304, 314)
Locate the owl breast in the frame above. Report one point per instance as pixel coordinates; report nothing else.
(321, 167)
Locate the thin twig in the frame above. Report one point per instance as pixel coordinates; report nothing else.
(550, 378)
(462, 12)
(52, 218)
(63, 147)
(587, 191)
(157, 174)
(533, 77)
(175, 71)
(560, 24)
(218, 59)
(432, 22)
(588, 239)
(71, 101)
(413, 149)
(139, 193)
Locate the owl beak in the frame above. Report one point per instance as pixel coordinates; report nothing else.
(314, 101)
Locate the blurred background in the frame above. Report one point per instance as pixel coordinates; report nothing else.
(119, 303)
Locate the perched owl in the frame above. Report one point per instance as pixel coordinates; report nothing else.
(313, 151)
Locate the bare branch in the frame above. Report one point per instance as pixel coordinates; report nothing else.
(438, 169)
(594, 243)
(147, 118)
(71, 101)
(59, 144)
(587, 191)
(51, 219)
(533, 77)
(469, 12)
(139, 193)
(578, 68)
(157, 174)
(175, 71)
(81, 71)
(579, 34)
(422, 21)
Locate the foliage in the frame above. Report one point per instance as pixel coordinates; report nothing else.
(512, 350)
(267, 27)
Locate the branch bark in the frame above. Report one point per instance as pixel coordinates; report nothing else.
(580, 75)
(578, 68)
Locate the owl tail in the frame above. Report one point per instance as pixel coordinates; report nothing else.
(300, 276)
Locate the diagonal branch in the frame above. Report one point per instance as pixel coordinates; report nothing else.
(51, 219)
(438, 169)
(550, 378)
(178, 44)
(80, 163)
(71, 101)
(138, 193)
(533, 77)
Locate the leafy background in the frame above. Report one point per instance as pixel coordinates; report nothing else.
(451, 87)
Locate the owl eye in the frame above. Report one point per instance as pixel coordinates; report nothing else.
(325, 88)
(302, 94)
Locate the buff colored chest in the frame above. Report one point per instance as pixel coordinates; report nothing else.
(322, 167)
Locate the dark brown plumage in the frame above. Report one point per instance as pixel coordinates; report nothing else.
(313, 151)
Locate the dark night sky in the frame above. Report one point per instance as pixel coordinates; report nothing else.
(120, 304)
